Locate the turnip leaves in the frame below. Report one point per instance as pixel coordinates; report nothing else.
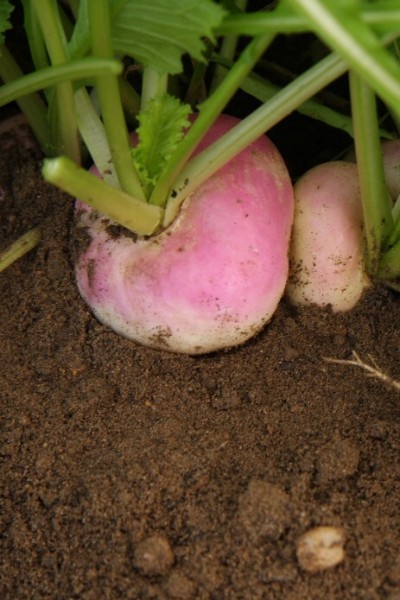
(161, 128)
(5, 12)
(155, 33)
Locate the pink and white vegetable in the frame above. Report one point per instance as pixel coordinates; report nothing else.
(327, 250)
(391, 165)
(214, 277)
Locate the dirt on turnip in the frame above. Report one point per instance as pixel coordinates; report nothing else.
(134, 473)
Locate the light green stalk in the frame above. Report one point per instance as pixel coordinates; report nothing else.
(264, 90)
(249, 129)
(376, 203)
(227, 51)
(20, 85)
(130, 99)
(153, 85)
(134, 214)
(383, 16)
(208, 113)
(339, 25)
(94, 135)
(37, 46)
(49, 19)
(389, 264)
(110, 101)
(31, 104)
(19, 248)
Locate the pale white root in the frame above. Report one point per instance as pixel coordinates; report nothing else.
(373, 370)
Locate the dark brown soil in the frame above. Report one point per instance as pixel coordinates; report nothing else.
(132, 473)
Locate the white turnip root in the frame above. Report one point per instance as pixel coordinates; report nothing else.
(214, 277)
(327, 250)
(391, 165)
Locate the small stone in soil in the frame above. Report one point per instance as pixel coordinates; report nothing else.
(154, 556)
(337, 460)
(180, 587)
(264, 510)
(320, 548)
(291, 353)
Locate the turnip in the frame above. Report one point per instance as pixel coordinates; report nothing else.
(211, 225)
(327, 251)
(215, 276)
(391, 163)
(327, 256)
(346, 232)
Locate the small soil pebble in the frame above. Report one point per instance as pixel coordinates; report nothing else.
(154, 556)
(320, 548)
(336, 460)
(264, 510)
(180, 587)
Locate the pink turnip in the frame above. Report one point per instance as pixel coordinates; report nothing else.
(214, 277)
(391, 165)
(327, 250)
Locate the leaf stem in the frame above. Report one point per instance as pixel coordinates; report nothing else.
(74, 6)
(389, 264)
(264, 90)
(50, 23)
(37, 46)
(153, 84)
(132, 213)
(31, 104)
(94, 135)
(383, 16)
(130, 100)
(227, 51)
(110, 101)
(208, 112)
(249, 129)
(376, 203)
(20, 85)
(20, 247)
(343, 30)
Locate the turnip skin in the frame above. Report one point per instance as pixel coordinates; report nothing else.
(327, 249)
(391, 165)
(215, 276)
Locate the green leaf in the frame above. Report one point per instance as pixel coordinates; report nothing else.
(155, 33)
(161, 127)
(6, 9)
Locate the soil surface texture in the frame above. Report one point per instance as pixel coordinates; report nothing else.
(133, 473)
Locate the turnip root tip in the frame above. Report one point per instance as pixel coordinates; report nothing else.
(214, 277)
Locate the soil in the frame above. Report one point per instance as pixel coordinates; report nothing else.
(134, 473)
